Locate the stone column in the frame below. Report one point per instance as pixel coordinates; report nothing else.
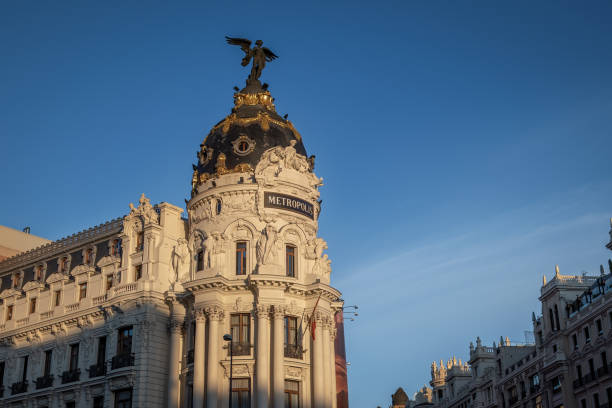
(175, 328)
(198, 360)
(278, 353)
(318, 370)
(262, 365)
(215, 315)
(325, 337)
(332, 332)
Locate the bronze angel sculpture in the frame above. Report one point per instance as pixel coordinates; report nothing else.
(258, 53)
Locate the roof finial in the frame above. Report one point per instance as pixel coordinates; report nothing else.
(556, 271)
(543, 280)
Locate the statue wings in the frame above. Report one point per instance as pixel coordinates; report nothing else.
(245, 45)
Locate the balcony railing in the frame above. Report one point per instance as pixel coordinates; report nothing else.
(45, 381)
(122, 360)
(241, 349)
(71, 376)
(19, 387)
(513, 400)
(97, 370)
(293, 351)
(190, 357)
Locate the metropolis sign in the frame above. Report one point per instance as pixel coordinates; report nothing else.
(289, 203)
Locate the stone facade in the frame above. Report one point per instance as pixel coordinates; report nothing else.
(566, 366)
(135, 310)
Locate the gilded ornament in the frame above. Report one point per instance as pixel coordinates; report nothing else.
(221, 169)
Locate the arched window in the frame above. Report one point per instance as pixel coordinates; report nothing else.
(290, 252)
(218, 206)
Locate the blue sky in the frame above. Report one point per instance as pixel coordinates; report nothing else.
(466, 147)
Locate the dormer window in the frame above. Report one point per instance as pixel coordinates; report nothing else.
(32, 305)
(9, 312)
(63, 264)
(88, 256)
(115, 248)
(38, 272)
(16, 280)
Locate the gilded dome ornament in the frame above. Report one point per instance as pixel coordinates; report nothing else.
(260, 55)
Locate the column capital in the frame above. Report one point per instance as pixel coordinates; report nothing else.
(262, 312)
(199, 314)
(279, 311)
(175, 326)
(214, 313)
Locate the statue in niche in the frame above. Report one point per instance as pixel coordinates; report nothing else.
(265, 244)
(180, 262)
(208, 246)
(322, 265)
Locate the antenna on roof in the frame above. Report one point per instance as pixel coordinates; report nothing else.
(26, 230)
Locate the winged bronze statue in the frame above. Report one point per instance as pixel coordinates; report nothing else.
(259, 54)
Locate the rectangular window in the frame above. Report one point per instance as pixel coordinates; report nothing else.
(139, 241)
(123, 398)
(241, 258)
(24, 371)
(109, 282)
(608, 394)
(9, 312)
(70, 404)
(241, 393)
(579, 371)
(74, 356)
(596, 400)
(599, 326)
(98, 402)
(48, 356)
(101, 350)
(124, 340)
(290, 260)
(2, 374)
(82, 291)
(592, 368)
(292, 394)
(241, 327)
(58, 297)
(115, 247)
(137, 272)
(587, 335)
(575, 341)
(583, 403)
(32, 305)
(291, 330)
(604, 361)
(556, 383)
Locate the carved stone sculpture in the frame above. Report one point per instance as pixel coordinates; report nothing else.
(322, 265)
(265, 244)
(180, 262)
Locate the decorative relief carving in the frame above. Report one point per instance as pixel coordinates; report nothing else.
(279, 311)
(205, 154)
(145, 212)
(108, 260)
(265, 244)
(322, 266)
(293, 372)
(277, 159)
(83, 269)
(199, 314)
(243, 145)
(214, 313)
(245, 369)
(32, 285)
(262, 311)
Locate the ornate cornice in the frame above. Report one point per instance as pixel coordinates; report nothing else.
(62, 245)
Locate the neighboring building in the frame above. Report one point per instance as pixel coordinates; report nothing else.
(13, 242)
(133, 312)
(567, 366)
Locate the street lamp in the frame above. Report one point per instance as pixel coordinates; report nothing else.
(228, 337)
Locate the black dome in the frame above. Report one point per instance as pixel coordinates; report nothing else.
(237, 142)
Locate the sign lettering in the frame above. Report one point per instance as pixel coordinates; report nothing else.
(289, 203)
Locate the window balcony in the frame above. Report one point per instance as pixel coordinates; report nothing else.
(71, 376)
(293, 351)
(241, 349)
(513, 400)
(19, 387)
(45, 381)
(97, 370)
(122, 360)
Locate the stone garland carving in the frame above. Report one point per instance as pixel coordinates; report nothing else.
(277, 159)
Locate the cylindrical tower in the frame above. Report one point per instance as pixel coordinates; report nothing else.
(257, 266)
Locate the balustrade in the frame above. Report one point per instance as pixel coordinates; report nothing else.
(293, 351)
(19, 387)
(122, 360)
(97, 370)
(71, 376)
(45, 381)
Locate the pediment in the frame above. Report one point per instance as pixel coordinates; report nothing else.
(7, 293)
(108, 260)
(31, 285)
(56, 277)
(82, 269)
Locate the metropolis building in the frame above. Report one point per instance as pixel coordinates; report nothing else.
(132, 313)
